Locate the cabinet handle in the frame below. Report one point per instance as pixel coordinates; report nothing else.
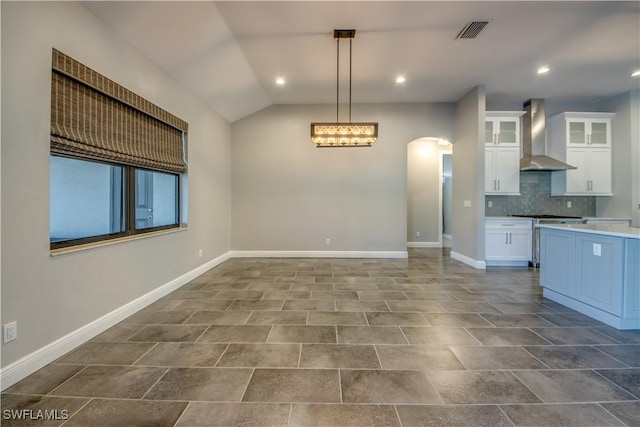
(506, 238)
(498, 184)
(510, 237)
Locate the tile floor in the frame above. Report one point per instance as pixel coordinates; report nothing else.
(298, 342)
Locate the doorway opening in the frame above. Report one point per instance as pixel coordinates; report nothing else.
(426, 199)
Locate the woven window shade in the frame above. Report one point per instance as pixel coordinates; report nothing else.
(94, 118)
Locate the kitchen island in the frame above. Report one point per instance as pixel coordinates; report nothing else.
(593, 269)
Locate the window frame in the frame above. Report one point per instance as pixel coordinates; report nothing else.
(128, 208)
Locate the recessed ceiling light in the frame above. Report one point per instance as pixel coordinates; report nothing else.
(636, 73)
(401, 79)
(543, 70)
(280, 81)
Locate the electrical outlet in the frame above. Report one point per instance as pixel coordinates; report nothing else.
(569, 204)
(10, 332)
(200, 253)
(327, 241)
(467, 203)
(490, 203)
(417, 234)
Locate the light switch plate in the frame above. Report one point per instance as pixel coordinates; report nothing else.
(467, 203)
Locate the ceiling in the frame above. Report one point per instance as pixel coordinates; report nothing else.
(230, 53)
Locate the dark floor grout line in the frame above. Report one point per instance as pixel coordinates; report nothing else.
(186, 407)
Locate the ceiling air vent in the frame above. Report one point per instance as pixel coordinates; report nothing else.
(472, 29)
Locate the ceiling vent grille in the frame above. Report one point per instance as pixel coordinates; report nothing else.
(472, 29)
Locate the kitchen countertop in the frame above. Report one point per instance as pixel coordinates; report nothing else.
(604, 229)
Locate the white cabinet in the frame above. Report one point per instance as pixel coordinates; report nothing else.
(508, 242)
(583, 140)
(502, 152)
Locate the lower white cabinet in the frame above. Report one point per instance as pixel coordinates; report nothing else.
(508, 242)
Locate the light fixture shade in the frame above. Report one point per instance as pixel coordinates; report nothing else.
(344, 134)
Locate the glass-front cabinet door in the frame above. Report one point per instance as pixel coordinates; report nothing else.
(588, 132)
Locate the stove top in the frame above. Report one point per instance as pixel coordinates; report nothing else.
(545, 216)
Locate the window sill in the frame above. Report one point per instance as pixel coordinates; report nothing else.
(94, 245)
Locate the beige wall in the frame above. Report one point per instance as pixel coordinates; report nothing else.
(468, 185)
(289, 195)
(48, 296)
(625, 135)
(424, 186)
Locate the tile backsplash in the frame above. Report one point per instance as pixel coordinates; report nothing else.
(535, 199)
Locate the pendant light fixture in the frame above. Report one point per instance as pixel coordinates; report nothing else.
(345, 134)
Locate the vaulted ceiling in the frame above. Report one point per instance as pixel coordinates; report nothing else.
(230, 53)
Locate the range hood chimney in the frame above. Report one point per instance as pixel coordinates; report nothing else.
(534, 155)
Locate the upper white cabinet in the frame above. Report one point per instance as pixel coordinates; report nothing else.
(582, 140)
(502, 152)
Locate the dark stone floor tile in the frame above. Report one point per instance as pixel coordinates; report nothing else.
(309, 305)
(575, 415)
(431, 296)
(59, 408)
(563, 386)
(362, 286)
(573, 357)
(507, 336)
(240, 295)
(370, 335)
(261, 355)
(396, 319)
(338, 356)
(183, 354)
(628, 379)
(522, 308)
(573, 336)
(570, 319)
(235, 414)
(294, 385)
(388, 387)
(204, 305)
(627, 412)
(629, 353)
(474, 387)
(286, 295)
(416, 306)
(44, 380)
(458, 320)
(150, 317)
(407, 357)
(236, 317)
(303, 334)
(119, 332)
(201, 384)
(349, 305)
(117, 413)
(236, 333)
(107, 353)
(168, 333)
(110, 381)
(336, 318)
(495, 358)
(438, 335)
(468, 307)
(286, 317)
(517, 320)
(625, 337)
(381, 295)
(252, 304)
(304, 415)
(452, 416)
(337, 295)
(311, 287)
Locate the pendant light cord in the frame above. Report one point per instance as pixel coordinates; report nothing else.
(338, 81)
(350, 57)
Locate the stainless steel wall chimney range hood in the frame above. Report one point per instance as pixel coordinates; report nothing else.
(534, 155)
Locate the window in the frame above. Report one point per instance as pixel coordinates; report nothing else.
(117, 160)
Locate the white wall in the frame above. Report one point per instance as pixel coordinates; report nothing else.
(53, 296)
(625, 135)
(468, 185)
(424, 187)
(289, 195)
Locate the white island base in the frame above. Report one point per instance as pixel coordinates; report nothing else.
(593, 269)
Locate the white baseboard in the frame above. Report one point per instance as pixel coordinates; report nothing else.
(480, 265)
(424, 244)
(319, 254)
(447, 236)
(30, 363)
